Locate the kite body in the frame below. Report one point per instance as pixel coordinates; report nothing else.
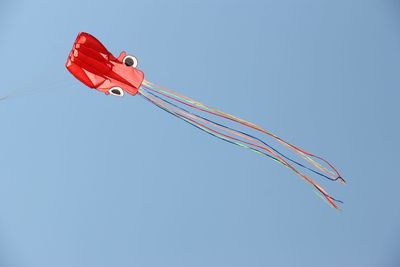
(91, 63)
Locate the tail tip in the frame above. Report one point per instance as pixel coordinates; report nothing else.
(341, 179)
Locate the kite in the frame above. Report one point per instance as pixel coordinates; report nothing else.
(92, 64)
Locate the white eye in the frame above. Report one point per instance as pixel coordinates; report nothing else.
(130, 61)
(117, 91)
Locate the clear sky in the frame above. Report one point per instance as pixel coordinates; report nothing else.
(90, 180)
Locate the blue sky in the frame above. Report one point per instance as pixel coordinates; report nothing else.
(90, 180)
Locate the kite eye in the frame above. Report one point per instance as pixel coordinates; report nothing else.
(130, 61)
(116, 91)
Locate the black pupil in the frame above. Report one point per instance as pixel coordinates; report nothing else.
(129, 61)
(116, 91)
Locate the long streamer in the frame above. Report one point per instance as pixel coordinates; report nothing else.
(246, 136)
(159, 95)
(197, 105)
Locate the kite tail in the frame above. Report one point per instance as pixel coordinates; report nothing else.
(172, 102)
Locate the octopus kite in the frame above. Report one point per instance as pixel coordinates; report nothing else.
(92, 64)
